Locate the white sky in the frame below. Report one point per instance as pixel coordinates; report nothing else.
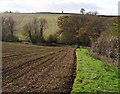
(104, 7)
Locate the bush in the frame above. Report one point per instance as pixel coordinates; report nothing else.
(107, 44)
(52, 39)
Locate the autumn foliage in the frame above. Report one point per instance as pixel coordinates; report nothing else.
(80, 29)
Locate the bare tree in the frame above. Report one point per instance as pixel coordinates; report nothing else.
(82, 11)
(11, 25)
(8, 29)
(43, 25)
(28, 30)
(95, 13)
(35, 30)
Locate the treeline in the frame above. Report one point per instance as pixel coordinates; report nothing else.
(33, 30)
(80, 29)
(72, 30)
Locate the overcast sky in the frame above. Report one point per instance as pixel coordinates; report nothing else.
(104, 7)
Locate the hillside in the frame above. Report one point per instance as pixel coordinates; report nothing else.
(23, 18)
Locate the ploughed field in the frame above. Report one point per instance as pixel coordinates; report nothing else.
(30, 68)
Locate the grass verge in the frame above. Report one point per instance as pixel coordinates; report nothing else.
(21, 36)
(94, 75)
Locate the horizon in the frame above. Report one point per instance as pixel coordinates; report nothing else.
(52, 13)
(103, 7)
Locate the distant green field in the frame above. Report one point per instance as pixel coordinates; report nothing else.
(22, 19)
(94, 75)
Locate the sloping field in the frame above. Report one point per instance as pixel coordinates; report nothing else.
(28, 68)
(22, 19)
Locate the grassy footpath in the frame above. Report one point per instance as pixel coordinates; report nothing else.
(94, 75)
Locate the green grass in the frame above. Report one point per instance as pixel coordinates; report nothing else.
(21, 36)
(94, 75)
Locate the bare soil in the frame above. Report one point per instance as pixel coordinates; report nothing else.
(40, 69)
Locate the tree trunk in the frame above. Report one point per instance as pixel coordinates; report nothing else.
(32, 40)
